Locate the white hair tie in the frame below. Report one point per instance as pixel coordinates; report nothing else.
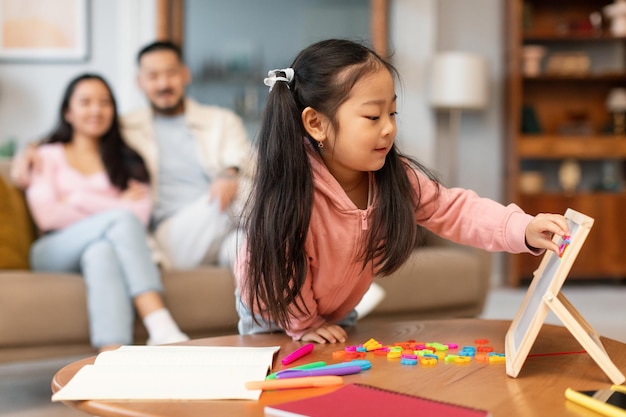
(273, 77)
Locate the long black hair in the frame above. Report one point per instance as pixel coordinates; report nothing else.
(121, 162)
(279, 208)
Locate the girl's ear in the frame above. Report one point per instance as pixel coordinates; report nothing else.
(315, 123)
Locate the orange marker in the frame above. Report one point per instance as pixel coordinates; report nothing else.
(288, 383)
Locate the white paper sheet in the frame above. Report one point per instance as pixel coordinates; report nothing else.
(170, 373)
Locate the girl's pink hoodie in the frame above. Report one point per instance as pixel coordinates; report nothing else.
(336, 282)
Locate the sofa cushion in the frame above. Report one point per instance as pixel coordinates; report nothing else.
(42, 308)
(447, 281)
(16, 228)
(201, 298)
(202, 301)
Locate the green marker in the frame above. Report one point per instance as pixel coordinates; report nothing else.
(301, 367)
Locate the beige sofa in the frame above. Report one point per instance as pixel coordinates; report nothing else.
(44, 314)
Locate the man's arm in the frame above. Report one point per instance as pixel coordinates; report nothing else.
(235, 146)
(224, 187)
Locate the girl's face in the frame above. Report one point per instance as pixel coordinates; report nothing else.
(365, 127)
(90, 110)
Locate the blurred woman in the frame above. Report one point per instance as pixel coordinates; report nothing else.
(91, 200)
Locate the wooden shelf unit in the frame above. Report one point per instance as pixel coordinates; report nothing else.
(554, 98)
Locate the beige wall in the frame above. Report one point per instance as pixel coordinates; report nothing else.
(30, 93)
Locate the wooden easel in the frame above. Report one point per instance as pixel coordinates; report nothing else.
(544, 295)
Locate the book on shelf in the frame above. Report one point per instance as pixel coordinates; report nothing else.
(170, 373)
(358, 400)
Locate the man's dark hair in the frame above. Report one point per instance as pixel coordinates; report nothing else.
(160, 46)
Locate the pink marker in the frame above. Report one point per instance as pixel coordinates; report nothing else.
(298, 353)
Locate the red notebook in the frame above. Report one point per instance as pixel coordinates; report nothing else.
(360, 400)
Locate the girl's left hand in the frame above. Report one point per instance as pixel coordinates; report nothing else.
(540, 230)
(327, 333)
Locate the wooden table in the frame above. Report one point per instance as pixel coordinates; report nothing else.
(538, 391)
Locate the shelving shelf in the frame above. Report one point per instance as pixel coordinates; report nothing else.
(559, 147)
(603, 77)
(572, 123)
(551, 36)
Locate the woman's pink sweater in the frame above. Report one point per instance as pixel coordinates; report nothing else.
(59, 195)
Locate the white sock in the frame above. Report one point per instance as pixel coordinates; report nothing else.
(162, 328)
(370, 300)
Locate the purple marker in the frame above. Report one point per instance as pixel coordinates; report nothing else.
(344, 370)
(298, 353)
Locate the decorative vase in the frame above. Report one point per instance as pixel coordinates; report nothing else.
(570, 175)
(617, 13)
(531, 182)
(532, 56)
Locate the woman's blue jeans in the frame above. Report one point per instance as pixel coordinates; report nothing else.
(110, 250)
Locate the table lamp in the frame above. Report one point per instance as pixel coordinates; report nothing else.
(458, 82)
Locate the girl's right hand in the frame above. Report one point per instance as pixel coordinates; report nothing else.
(135, 191)
(327, 333)
(542, 227)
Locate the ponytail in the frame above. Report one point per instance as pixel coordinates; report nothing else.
(279, 210)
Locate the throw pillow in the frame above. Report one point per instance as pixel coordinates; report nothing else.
(16, 228)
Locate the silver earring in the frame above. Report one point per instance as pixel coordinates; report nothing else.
(320, 144)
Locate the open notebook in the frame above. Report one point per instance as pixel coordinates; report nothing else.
(170, 373)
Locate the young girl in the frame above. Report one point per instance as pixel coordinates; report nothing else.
(335, 203)
(90, 199)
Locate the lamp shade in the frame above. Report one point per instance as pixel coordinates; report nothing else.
(458, 81)
(616, 100)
